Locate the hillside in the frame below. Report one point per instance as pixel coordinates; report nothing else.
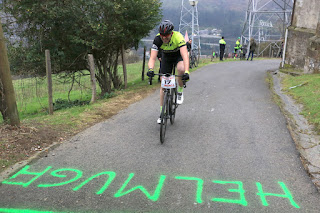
(234, 5)
(228, 15)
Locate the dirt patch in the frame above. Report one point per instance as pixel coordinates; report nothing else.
(17, 144)
(21, 143)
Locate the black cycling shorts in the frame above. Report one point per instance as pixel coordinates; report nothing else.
(167, 63)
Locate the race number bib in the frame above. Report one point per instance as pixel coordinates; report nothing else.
(168, 82)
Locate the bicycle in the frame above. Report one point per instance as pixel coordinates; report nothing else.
(193, 59)
(169, 107)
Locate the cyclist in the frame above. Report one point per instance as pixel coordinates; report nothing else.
(174, 53)
(237, 48)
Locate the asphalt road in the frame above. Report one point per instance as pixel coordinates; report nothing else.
(228, 151)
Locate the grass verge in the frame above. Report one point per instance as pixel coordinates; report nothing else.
(305, 89)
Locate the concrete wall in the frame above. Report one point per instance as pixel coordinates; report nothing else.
(297, 44)
(312, 62)
(306, 14)
(302, 45)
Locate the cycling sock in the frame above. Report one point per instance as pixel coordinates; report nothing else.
(180, 89)
(160, 109)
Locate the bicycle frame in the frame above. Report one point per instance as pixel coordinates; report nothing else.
(169, 104)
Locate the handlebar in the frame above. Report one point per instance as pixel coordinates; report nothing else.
(167, 75)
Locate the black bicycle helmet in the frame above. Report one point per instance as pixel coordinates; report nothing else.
(166, 27)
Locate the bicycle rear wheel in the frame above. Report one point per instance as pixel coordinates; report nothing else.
(164, 117)
(190, 62)
(195, 61)
(173, 105)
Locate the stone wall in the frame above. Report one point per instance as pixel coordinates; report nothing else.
(312, 62)
(298, 40)
(303, 42)
(306, 14)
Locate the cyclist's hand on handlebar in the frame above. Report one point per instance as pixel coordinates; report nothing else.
(185, 76)
(150, 73)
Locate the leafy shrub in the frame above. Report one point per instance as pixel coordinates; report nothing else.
(63, 104)
(109, 95)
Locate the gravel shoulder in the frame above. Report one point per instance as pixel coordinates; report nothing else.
(306, 140)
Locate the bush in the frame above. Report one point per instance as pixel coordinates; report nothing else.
(63, 104)
(109, 95)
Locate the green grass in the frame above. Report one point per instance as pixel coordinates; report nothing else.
(7, 163)
(307, 93)
(32, 97)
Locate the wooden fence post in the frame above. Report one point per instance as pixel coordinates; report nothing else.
(49, 77)
(270, 51)
(93, 78)
(124, 67)
(143, 63)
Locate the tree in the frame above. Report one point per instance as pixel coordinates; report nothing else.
(8, 105)
(41, 25)
(71, 29)
(109, 25)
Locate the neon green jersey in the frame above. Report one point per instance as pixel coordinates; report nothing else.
(176, 42)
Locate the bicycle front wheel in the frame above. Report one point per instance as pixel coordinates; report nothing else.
(164, 117)
(173, 105)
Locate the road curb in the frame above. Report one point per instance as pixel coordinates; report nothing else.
(306, 140)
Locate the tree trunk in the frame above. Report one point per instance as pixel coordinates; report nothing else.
(108, 72)
(8, 90)
(116, 80)
(3, 106)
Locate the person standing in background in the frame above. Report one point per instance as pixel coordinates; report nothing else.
(222, 47)
(253, 46)
(213, 55)
(237, 47)
(189, 43)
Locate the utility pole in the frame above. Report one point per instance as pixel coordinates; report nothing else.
(189, 22)
(266, 21)
(7, 86)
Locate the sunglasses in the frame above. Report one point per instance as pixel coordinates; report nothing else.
(165, 35)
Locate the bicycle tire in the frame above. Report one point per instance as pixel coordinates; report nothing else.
(173, 105)
(195, 62)
(164, 113)
(190, 62)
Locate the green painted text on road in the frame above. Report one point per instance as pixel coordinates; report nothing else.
(66, 176)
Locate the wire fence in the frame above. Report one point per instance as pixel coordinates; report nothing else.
(68, 89)
(32, 92)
